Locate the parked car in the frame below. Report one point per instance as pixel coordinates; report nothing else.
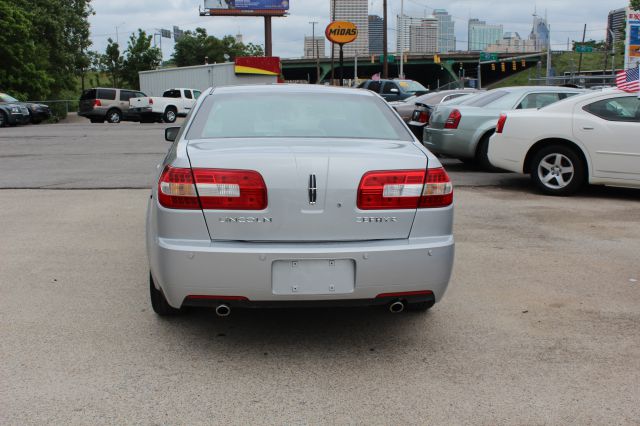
(110, 104)
(37, 112)
(463, 131)
(394, 90)
(283, 209)
(13, 113)
(174, 103)
(421, 113)
(593, 138)
(407, 107)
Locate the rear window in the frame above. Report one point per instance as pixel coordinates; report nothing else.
(304, 115)
(88, 94)
(171, 94)
(487, 98)
(107, 94)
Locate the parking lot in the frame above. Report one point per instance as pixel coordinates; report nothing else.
(540, 324)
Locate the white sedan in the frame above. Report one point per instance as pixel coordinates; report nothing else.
(592, 138)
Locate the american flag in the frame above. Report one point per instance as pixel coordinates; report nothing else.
(629, 80)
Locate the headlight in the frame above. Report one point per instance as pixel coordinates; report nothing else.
(15, 109)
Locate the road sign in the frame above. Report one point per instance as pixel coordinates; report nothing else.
(165, 33)
(484, 56)
(584, 49)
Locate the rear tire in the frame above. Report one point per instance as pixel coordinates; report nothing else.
(159, 302)
(558, 170)
(114, 116)
(482, 154)
(170, 115)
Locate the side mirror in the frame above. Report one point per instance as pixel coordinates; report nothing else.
(171, 133)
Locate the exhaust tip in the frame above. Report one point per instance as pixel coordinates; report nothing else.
(223, 310)
(396, 307)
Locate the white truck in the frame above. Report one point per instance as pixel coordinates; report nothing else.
(174, 103)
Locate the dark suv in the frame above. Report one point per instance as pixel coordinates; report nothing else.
(108, 104)
(394, 90)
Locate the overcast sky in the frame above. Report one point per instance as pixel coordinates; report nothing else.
(566, 17)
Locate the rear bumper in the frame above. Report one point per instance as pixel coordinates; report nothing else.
(242, 271)
(450, 142)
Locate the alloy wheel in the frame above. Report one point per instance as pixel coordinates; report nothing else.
(556, 171)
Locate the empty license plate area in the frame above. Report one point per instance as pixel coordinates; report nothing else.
(313, 276)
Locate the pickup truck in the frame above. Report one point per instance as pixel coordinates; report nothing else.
(174, 103)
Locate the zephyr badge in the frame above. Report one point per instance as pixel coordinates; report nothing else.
(312, 189)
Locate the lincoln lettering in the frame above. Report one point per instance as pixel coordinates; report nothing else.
(245, 219)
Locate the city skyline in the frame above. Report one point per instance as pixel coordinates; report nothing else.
(567, 19)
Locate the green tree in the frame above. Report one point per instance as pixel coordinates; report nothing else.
(194, 47)
(634, 4)
(112, 62)
(140, 56)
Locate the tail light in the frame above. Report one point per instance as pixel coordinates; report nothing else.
(97, 103)
(215, 189)
(501, 122)
(423, 117)
(453, 120)
(150, 101)
(404, 189)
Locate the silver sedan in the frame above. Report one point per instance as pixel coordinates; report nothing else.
(297, 196)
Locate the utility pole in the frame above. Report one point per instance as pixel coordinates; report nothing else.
(549, 54)
(613, 52)
(584, 34)
(333, 18)
(400, 33)
(385, 50)
(316, 53)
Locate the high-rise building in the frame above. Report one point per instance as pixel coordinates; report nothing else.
(238, 38)
(482, 34)
(424, 36)
(539, 33)
(616, 22)
(376, 36)
(446, 31)
(356, 11)
(313, 46)
(403, 33)
(511, 43)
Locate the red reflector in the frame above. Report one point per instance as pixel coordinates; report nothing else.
(150, 101)
(404, 189)
(424, 117)
(209, 297)
(97, 103)
(176, 189)
(454, 120)
(501, 122)
(221, 189)
(405, 293)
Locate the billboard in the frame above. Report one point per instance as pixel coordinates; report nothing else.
(632, 45)
(258, 65)
(246, 7)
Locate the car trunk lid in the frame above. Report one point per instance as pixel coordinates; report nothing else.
(290, 168)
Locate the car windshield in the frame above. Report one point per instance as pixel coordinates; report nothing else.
(304, 115)
(410, 86)
(6, 98)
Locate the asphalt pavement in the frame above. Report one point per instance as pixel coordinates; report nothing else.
(540, 324)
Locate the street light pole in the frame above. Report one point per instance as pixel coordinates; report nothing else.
(400, 34)
(315, 49)
(385, 50)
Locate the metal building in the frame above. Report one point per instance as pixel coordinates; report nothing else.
(200, 77)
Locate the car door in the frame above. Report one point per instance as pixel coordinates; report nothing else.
(391, 91)
(188, 101)
(610, 129)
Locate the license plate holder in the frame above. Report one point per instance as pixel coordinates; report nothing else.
(313, 276)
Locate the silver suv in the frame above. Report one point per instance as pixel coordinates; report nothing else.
(108, 104)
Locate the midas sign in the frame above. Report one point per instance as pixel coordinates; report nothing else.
(341, 32)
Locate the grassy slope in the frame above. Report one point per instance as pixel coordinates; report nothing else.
(566, 61)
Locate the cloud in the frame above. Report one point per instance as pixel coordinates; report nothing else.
(566, 17)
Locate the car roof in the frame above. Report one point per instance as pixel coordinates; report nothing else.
(514, 89)
(290, 88)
